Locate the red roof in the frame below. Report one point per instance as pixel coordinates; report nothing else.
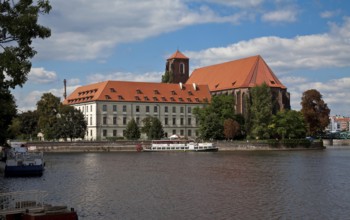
(242, 73)
(124, 91)
(177, 55)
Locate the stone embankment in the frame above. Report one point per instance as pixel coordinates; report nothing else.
(103, 146)
(336, 142)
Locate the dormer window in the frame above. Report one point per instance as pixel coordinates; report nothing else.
(163, 99)
(138, 91)
(112, 90)
(189, 100)
(107, 97)
(146, 98)
(156, 92)
(197, 99)
(190, 93)
(272, 82)
(172, 99)
(181, 99)
(120, 97)
(137, 98)
(155, 99)
(173, 92)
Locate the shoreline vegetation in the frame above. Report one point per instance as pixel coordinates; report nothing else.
(130, 146)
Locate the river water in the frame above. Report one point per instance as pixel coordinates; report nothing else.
(222, 185)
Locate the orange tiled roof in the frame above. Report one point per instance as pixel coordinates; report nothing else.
(242, 73)
(124, 91)
(177, 55)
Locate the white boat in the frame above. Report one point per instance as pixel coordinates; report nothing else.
(21, 162)
(180, 145)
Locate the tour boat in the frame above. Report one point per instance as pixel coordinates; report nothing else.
(180, 145)
(21, 162)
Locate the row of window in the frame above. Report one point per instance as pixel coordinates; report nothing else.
(174, 131)
(147, 108)
(138, 120)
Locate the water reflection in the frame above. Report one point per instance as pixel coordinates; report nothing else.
(223, 185)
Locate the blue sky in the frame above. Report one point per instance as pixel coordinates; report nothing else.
(306, 43)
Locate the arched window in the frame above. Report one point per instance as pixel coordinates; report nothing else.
(182, 68)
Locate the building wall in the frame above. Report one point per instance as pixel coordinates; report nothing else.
(109, 119)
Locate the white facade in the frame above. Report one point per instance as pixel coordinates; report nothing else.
(110, 118)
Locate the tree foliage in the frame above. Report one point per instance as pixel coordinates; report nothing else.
(231, 128)
(48, 109)
(261, 111)
(167, 77)
(132, 131)
(211, 118)
(7, 113)
(288, 124)
(18, 27)
(70, 123)
(315, 112)
(153, 128)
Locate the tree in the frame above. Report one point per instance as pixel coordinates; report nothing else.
(152, 127)
(231, 128)
(211, 118)
(7, 113)
(132, 131)
(70, 123)
(18, 27)
(315, 112)
(167, 77)
(48, 109)
(288, 124)
(261, 111)
(29, 124)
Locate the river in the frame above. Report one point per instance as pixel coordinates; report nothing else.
(311, 184)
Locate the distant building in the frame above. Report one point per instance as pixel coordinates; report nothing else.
(238, 77)
(109, 106)
(177, 65)
(339, 123)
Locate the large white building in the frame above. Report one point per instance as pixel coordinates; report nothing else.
(109, 106)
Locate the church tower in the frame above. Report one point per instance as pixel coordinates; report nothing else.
(177, 66)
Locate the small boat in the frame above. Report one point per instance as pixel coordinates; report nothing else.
(29, 205)
(180, 145)
(21, 162)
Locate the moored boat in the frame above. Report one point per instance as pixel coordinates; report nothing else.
(180, 145)
(21, 162)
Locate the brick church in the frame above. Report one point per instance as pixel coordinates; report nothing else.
(234, 77)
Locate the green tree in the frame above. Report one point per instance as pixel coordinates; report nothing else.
(7, 113)
(152, 127)
(48, 109)
(315, 112)
(261, 111)
(167, 77)
(14, 129)
(70, 123)
(18, 27)
(29, 124)
(214, 115)
(132, 131)
(288, 124)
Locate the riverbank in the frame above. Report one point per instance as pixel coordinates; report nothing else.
(130, 146)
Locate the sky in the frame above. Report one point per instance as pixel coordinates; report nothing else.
(305, 43)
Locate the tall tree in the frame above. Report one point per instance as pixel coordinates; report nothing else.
(18, 27)
(70, 123)
(261, 111)
(48, 109)
(29, 124)
(315, 112)
(132, 131)
(152, 127)
(288, 124)
(231, 128)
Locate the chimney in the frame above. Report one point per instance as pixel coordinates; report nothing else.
(65, 89)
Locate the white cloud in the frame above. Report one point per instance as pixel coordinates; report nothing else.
(238, 3)
(283, 15)
(329, 14)
(40, 75)
(125, 76)
(316, 51)
(96, 28)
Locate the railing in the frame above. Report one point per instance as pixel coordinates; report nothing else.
(18, 202)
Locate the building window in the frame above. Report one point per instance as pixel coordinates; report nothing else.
(138, 91)
(174, 121)
(155, 108)
(124, 120)
(166, 109)
(104, 133)
(112, 90)
(138, 120)
(114, 133)
(104, 108)
(174, 109)
(104, 121)
(137, 108)
(172, 99)
(182, 68)
(182, 132)
(123, 133)
(181, 100)
(181, 109)
(124, 108)
(163, 99)
(90, 120)
(114, 108)
(174, 131)
(181, 121)
(146, 98)
(90, 108)
(114, 120)
(91, 133)
(189, 121)
(173, 92)
(189, 133)
(156, 92)
(166, 121)
(147, 108)
(189, 110)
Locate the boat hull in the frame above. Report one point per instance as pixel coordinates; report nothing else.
(186, 150)
(33, 170)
